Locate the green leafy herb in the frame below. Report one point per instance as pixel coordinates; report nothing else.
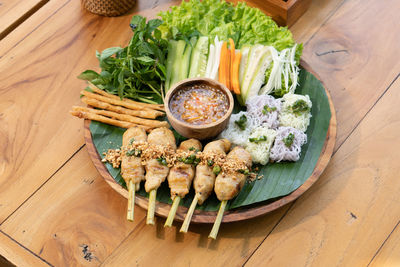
(241, 123)
(267, 109)
(136, 71)
(299, 107)
(288, 140)
(258, 139)
(245, 172)
(193, 149)
(134, 152)
(216, 170)
(210, 162)
(190, 160)
(131, 141)
(162, 161)
(196, 161)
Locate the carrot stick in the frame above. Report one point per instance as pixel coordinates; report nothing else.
(222, 63)
(228, 70)
(235, 74)
(232, 59)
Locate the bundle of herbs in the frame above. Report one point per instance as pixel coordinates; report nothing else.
(136, 71)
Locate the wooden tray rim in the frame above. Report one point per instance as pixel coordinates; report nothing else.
(239, 214)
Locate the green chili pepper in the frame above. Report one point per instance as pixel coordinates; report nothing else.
(216, 169)
(288, 140)
(258, 139)
(241, 123)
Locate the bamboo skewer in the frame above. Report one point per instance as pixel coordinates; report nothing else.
(188, 218)
(172, 212)
(151, 207)
(131, 201)
(218, 220)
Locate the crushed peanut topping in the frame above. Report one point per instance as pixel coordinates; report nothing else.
(147, 151)
(113, 156)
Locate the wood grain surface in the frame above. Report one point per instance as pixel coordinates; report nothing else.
(14, 12)
(252, 211)
(349, 217)
(16, 254)
(389, 253)
(346, 54)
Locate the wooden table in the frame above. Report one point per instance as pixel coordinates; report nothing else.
(55, 209)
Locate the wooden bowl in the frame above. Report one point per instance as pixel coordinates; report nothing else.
(199, 132)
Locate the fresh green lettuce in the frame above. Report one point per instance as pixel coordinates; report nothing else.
(244, 24)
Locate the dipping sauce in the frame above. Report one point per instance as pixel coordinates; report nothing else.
(199, 104)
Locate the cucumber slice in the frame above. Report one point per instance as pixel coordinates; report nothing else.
(176, 67)
(198, 60)
(172, 44)
(185, 64)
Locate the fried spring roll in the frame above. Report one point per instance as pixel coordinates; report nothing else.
(144, 105)
(123, 117)
(148, 114)
(100, 118)
(114, 101)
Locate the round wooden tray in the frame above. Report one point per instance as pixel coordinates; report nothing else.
(243, 213)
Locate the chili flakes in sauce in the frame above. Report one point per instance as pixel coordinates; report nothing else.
(199, 104)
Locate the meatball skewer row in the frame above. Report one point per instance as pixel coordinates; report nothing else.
(228, 184)
(157, 168)
(205, 178)
(181, 175)
(131, 168)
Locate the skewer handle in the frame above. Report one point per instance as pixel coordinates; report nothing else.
(152, 207)
(172, 212)
(188, 218)
(218, 220)
(131, 201)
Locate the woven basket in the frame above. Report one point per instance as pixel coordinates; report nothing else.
(109, 8)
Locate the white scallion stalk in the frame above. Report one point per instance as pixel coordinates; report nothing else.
(217, 54)
(271, 83)
(210, 61)
(285, 67)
